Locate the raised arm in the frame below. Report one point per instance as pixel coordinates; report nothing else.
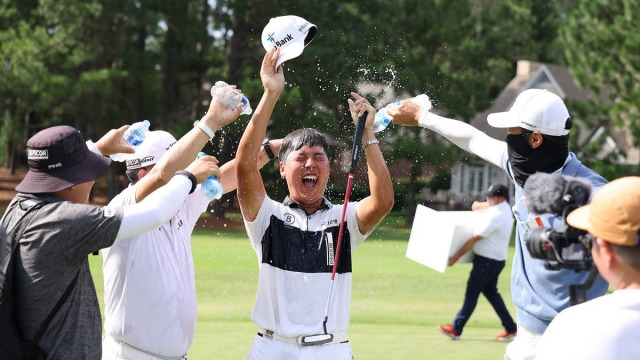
(185, 150)
(251, 192)
(228, 177)
(460, 133)
(372, 209)
(163, 204)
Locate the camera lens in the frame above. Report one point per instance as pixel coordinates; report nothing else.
(539, 246)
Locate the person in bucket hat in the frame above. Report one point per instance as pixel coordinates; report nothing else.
(59, 229)
(607, 327)
(538, 126)
(144, 273)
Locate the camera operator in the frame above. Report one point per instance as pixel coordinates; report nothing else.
(607, 327)
(538, 126)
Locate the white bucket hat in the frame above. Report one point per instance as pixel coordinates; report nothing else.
(290, 33)
(535, 110)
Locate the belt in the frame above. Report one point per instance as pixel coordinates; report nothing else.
(307, 340)
(133, 353)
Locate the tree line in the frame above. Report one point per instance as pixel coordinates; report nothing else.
(100, 64)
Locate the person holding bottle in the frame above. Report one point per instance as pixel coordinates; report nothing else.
(55, 298)
(295, 239)
(538, 125)
(149, 281)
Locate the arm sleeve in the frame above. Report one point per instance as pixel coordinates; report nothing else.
(156, 209)
(465, 136)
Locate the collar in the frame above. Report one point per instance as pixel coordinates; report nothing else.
(326, 204)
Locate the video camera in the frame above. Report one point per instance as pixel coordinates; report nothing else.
(563, 246)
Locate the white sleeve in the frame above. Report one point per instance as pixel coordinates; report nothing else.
(352, 222)
(156, 209)
(465, 136)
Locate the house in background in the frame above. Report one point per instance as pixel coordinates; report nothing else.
(469, 180)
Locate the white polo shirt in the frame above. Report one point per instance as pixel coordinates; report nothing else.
(296, 253)
(149, 284)
(495, 227)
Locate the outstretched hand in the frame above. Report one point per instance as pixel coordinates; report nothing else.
(219, 115)
(204, 167)
(407, 114)
(111, 142)
(358, 107)
(272, 80)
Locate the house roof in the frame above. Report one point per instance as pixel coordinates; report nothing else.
(559, 80)
(531, 75)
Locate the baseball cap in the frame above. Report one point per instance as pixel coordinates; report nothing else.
(535, 110)
(613, 214)
(58, 158)
(498, 190)
(291, 33)
(156, 144)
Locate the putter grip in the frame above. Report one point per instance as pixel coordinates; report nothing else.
(357, 139)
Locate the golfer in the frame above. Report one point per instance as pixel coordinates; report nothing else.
(149, 287)
(295, 240)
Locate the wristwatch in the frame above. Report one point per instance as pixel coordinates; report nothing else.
(267, 149)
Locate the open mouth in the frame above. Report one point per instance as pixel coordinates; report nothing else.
(310, 180)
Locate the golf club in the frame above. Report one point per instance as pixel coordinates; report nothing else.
(326, 338)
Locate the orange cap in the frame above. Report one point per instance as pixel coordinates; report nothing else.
(613, 214)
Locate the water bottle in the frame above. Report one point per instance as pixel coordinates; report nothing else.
(211, 187)
(133, 136)
(230, 97)
(383, 119)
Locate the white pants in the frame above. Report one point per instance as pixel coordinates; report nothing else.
(268, 349)
(524, 346)
(115, 350)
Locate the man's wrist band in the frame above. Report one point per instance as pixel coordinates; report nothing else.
(267, 149)
(191, 177)
(207, 130)
(370, 142)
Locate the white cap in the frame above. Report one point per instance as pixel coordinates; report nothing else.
(290, 33)
(156, 144)
(535, 110)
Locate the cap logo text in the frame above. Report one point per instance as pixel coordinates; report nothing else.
(37, 154)
(147, 159)
(53, 166)
(285, 40)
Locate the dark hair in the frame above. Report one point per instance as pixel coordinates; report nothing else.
(299, 138)
(629, 254)
(132, 175)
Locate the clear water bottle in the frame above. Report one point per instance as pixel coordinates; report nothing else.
(230, 97)
(211, 187)
(134, 136)
(383, 119)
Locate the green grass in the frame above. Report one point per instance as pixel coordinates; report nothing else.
(396, 303)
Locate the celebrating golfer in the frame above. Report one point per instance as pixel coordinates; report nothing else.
(296, 240)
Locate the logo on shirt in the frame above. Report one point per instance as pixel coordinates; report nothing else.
(329, 223)
(180, 223)
(289, 219)
(329, 241)
(108, 211)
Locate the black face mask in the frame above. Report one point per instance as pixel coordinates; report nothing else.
(547, 158)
